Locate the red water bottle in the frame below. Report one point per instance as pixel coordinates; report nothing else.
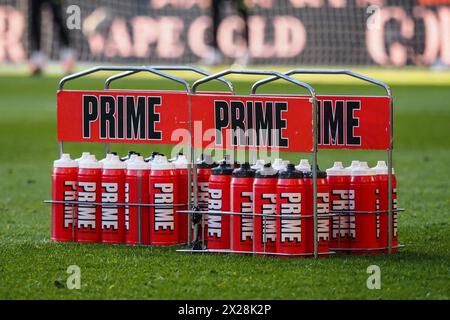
(323, 209)
(113, 192)
(242, 202)
(265, 202)
(204, 166)
(292, 238)
(367, 224)
(219, 200)
(163, 198)
(382, 178)
(307, 221)
(89, 213)
(137, 218)
(339, 183)
(181, 166)
(64, 188)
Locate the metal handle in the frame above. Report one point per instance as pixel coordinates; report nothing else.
(120, 68)
(167, 68)
(253, 72)
(322, 71)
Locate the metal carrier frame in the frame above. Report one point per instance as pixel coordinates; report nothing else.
(128, 71)
(192, 205)
(315, 215)
(388, 90)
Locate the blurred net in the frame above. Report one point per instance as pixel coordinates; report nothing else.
(306, 32)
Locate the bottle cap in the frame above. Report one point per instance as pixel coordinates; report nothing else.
(266, 172)
(259, 164)
(303, 166)
(337, 169)
(137, 163)
(128, 156)
(320, 174)
(88, 161)
(244, 171)
(161, 163)
(152, 156)
(113, 162)
(205, 161)
(290, 173)
(223, 168)
(362, 170)
(65, 162)
(354, 164)
(108, 156)
(181, 162)
(84, 154)
(279, 164)
(381, 168)
(133, 156)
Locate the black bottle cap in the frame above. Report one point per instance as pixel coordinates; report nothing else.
(320, 174)
(222, 169)
(244, 171)
(291, 173)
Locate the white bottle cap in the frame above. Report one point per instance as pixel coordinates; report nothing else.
(354, 164)
(337, 169)
(303, 166)
(108, 157)
(381, 168)
(88, 161)
(161, 163)
(65, 162)
(258, 165)
(279, 164)
(205, 158)
(131, 158)
(181, 162)
(362, 170)
(266, 171)
(137, 163)
(84, 154)
(113, 162)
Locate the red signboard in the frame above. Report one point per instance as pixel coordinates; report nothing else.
(351, 122)
(121, 116)
(223, 121)
(345, 122)
(251, 122)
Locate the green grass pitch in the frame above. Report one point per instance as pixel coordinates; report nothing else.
(31, 266)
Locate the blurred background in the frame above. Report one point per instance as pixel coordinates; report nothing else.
(221, 32)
